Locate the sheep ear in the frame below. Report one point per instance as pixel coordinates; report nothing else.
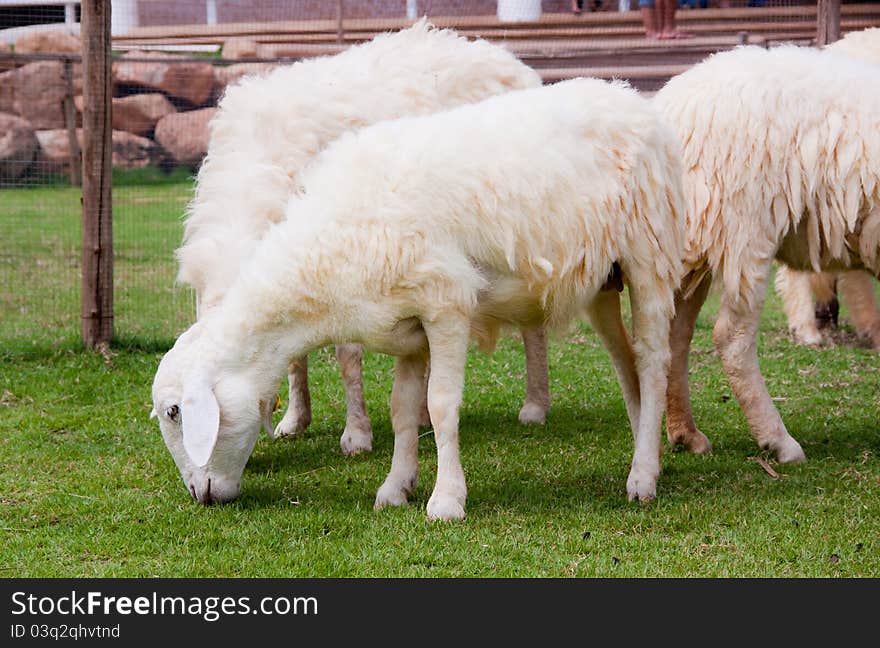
(153, 414)
(201, 422)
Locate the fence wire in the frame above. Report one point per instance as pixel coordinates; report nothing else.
(172, 60)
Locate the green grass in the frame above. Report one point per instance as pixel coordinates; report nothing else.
(87, 487)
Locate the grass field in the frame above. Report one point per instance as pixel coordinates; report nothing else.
(87, 487)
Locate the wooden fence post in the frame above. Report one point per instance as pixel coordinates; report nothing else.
(340, 28)
(70, 123)
(827, 22)
(97, 214)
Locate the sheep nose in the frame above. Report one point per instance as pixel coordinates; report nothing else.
(205, 498)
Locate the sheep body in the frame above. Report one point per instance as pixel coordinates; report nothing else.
(513, 210)
(267, 129)
(799, 289)
(781, 151)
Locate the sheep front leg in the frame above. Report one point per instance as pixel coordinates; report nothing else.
(735, 337)
(857, 292)
(448, 343)
(299, 408)
(537, 402)
(358, 434)
(797, 302)
(651, 326)
(605, 318)
(406, 396)
(680, 426)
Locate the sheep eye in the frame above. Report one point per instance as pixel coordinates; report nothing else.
(172, 412)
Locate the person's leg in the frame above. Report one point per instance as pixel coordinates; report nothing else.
(649, 18)
(666, 20)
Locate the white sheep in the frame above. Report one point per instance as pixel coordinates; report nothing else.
(269, 127)
(781, 151)
(515, 210)
(798, 290)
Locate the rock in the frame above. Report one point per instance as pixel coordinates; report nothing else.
(139, 114)
(18, 147)
(6, 62)
(240, 48)
(227, 75)
(7, 91)
(48, 41)
(184, 136)
(39, 90)
(192, 83)
(129, 151)
(134, 152)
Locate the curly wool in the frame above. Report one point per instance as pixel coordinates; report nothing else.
(269, 127)
(530, 196)
(778, 142)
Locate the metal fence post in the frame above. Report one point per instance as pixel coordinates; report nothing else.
(97, 214)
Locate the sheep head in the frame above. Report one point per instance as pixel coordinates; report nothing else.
(210, 418)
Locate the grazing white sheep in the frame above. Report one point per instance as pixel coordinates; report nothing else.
(781, 151)
(269, 127)
(809, 298)
(799, 289)
(515, 211)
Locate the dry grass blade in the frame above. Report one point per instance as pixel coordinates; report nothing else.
(767, 467)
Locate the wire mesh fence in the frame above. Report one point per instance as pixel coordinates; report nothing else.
(172, 61)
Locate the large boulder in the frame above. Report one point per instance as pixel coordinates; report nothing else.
(139, 114)
(18, 147)
(129, 151)
(6, 61)
(48, 41)
(184, 136)
(39, 90)
(192, 83)
(227, 75)
(7, 91)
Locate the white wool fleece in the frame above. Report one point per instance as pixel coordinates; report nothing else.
(773, 142)
(269, 127)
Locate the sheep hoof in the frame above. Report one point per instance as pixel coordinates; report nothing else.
(356, 440)
(532, 414)
(808, 336)
(445, 507)
(641, 485)
(688, 437)
(696, 442)
(390, 494)
(789, 451)
(293, 424)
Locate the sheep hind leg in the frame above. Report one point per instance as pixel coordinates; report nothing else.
(735, 337)
(794, 288)
(605, 318)
(651, 325)
(537, 402)
(857, 293)
(406, 395)
(681, 430)
(358, 434)
(299, 408)
(448, 341)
